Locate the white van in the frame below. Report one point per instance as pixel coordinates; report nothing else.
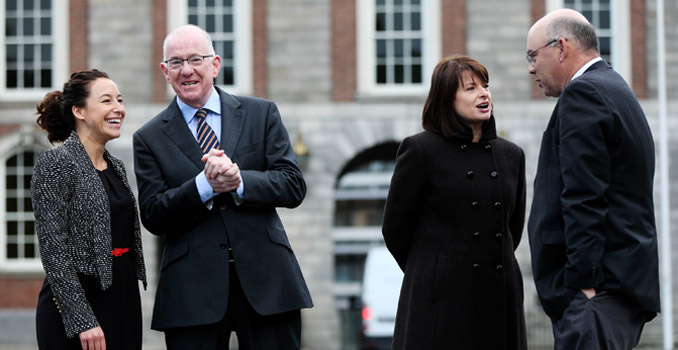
(381, 288)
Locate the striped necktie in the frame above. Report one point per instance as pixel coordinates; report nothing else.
(207, 139)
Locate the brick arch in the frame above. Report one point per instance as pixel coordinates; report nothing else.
(353, 137)
(385, 151)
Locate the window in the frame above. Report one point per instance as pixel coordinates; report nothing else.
(598, 13)
(361, 191)
(359, 212)
(349, 267)
(398, 45)
(612, 22)
(398, 40)
(19, 241)
(33, 59)
(229, 24)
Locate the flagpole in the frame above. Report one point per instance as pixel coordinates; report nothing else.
(665, 229)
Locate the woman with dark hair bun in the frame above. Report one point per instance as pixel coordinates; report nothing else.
(86, 222)
(454, 216)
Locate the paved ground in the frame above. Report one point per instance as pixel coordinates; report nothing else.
(18, 330)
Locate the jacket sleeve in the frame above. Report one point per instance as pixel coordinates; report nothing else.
(585, 168)
(517, 219)
(280, 182)
(402, 211)
(51, 191)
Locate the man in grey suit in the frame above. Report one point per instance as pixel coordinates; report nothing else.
(227, 263)
(592, 228)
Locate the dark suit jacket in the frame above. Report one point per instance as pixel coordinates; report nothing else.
(592, 222)
(193, 286)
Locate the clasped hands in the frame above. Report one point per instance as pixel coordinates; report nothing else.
(221, 173)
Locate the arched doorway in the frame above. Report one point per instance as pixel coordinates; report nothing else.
(360, 196)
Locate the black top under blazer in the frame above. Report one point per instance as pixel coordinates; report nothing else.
(592, 222)
(454, 216)
(194, 273)
(73, 225)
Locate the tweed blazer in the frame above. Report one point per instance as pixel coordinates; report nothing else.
(72, 222)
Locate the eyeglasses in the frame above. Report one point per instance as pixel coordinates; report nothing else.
(532, 54)
(178, 63)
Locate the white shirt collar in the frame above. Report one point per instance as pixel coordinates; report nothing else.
(585, 67)
(213, 104)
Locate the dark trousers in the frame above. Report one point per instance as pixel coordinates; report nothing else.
(254, 331)
(606, 321)
(117, 309)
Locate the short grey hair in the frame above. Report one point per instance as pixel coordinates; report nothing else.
(185, 27)
(582, 33)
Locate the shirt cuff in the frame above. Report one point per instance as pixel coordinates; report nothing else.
(240, 191)
(204, 188)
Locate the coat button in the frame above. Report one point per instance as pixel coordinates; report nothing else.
(223, 246)
(476, 267)
(488, 147)
(469, 174)
(498, 236)
(494, 174)
(497, 205)
(476, 235)
(475, 205)
(500, 268)
(463, 148)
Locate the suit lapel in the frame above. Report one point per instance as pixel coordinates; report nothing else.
(232, 121)
(177, 131)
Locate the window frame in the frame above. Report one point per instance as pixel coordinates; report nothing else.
(366, 50)
(6, 264)
(60, 55)
(242, 27)
(620, 39)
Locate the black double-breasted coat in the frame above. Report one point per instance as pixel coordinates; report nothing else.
(453, 218)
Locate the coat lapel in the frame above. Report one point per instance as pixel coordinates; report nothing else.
(177, 131)
(232, 121)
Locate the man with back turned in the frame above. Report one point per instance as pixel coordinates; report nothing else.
(592, 227)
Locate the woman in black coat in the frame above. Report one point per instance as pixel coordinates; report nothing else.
(86, 222)
(453, 218)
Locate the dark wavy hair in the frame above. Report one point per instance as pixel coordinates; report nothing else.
(55, 111)
(439, 115)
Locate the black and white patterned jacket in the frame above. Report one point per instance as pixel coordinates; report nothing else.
(72, 221)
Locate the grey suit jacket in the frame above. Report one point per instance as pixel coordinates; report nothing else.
(73, 225)
(194, 273)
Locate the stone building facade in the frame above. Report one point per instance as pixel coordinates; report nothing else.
(350, 78)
